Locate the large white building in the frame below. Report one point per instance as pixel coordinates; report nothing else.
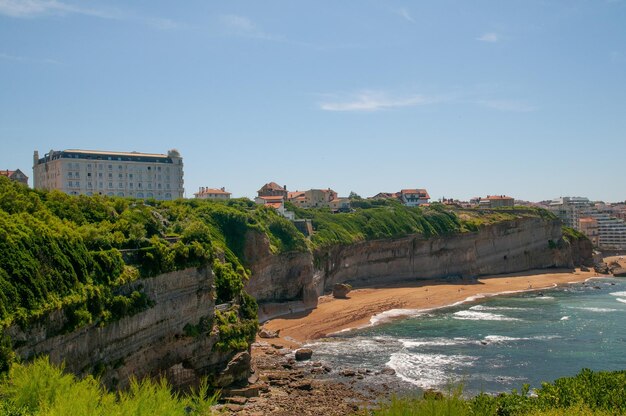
(95, 172)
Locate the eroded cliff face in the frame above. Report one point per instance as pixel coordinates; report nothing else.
(149, 343)
(291, 282)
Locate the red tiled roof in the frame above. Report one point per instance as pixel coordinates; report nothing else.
(273, 186)
(271, 198)
(296, 194)
(275, 205)
(7, 173)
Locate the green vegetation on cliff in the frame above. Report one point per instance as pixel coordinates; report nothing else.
(379, 219)
(588, 393)
(80, 254)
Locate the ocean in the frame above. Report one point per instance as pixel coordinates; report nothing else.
(493, 344)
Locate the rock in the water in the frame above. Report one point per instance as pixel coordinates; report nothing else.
(619, 272)
(584, 268)
(341, 290)
(348, 372)
(388, 371)
(266, 333)
(303, 354)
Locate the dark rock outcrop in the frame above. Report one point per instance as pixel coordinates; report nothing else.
(341, 290)
(303, 354)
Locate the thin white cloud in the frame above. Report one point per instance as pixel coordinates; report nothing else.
(242, 26)
(39, 8)
(405, 14)
(507, 105)
(36, 8)
(8, 57)
(489, 37)
(376, 100)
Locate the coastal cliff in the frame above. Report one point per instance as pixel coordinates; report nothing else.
(157, 341)
(504, 247)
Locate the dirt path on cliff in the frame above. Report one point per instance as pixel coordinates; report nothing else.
(334, 315)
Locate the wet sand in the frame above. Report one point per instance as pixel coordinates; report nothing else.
(365, 306)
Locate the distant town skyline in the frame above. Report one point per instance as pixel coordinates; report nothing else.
(525, 98)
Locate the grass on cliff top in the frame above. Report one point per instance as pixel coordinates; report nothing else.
(587, 393)
(372, 220)
(40, 388)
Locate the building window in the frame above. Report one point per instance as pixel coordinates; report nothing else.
(88, 165)
(149, 186)
(139, 185)
(110, 184)
(77, 184)
(70, 184)
(77, 174)
(89, 174)
(119, 167)
(130, 185)
(110, 175)
(110, 166)
(120, 176)
(119, 185)
(99, 174)
(69, 174)
(159, 186)
(89, 185)
(100, 185)
(130, 175)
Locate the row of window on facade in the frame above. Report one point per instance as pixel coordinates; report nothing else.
(76, 184)
(137, 195)
(100, 166)
(119, 175)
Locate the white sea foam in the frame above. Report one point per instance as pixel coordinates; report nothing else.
(500, 339)
(618, 294)
(482, 316)
(394, 314)
(544, 297)
(428, 370)
(592, 309)
(565, 318)
(433, 342)
(496, 308)
(621, 300)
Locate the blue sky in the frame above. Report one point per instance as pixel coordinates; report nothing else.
(525, 98)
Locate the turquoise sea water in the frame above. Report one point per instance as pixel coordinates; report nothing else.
(496, 344)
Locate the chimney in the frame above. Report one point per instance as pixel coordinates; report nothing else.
(223, 189)
(285, 187)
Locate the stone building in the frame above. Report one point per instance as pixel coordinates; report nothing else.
(97, 172)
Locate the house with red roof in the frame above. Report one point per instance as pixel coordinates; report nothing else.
(15, 175)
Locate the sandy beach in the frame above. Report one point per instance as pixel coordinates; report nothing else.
(368, 305)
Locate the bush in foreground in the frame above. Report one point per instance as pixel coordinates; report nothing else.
(587, 393)
(39, 388)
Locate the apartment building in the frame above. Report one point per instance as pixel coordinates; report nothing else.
(569, 209)
(124, 174)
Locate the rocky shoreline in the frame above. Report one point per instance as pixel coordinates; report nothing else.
(289, 381)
